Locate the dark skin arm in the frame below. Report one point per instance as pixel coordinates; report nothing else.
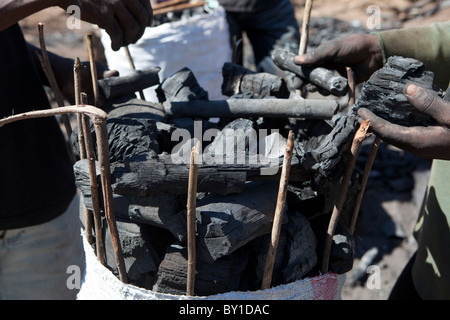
(363, 54)
(12, 11)
(64, 74)
(124, 20)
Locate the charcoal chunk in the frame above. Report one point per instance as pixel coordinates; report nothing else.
(226, 223)
(383, 93)
(181, 86)
(126, 137)
(224, 275)
(143, 249)
(240, 81)
(295, 257)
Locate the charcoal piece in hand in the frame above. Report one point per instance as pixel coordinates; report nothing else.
(383, 93)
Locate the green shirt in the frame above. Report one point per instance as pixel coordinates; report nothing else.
(431, 45)
(431, 270)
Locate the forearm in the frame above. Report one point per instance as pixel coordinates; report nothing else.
(12, 11)
(431, 45)
(55, 61)
(37, 63)
(62, 67)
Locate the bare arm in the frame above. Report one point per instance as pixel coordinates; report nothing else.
(124, 20)
(12, 11)
(63, 69)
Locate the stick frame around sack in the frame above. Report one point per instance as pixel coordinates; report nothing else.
(77, 67)
(278, 217)
(90, 157)
(305, 28)
(304, 37)
(94, 73)
(46, 66)
(359, 137)
(365, 178)
(370, 159)
(191, 204)
(98, 117)
(132, 67)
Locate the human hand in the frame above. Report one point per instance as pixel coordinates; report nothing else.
(361, 52)
(124, 20)
(427, 142)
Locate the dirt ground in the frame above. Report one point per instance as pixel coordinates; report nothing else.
(391, 202)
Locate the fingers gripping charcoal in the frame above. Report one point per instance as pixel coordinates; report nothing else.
(321, 77)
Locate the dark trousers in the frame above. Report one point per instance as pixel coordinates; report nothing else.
(265, 30)
(404, 287)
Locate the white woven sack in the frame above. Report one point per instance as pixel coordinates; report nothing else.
(101, 284)
(200, 43)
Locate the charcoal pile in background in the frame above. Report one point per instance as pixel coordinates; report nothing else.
(235, 202)
(322, 29)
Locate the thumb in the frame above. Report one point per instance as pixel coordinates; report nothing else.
(305, 59)
(427, 102)
(110, 73)
(324, 53)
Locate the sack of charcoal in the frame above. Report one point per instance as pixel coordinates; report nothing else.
(239, 170)
(234, 213)
(99, 283)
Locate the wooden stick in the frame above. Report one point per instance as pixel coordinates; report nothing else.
(87, 213)
(191, 205)
(351, 86)
(77, 67)
(98, 117)
(132, 67)
(81, 137)
(365, 178)
(168, 3)
(46, 66)
(277, 220)
(359, 137)
(304, 36)
(101, 133)
(370, 160)
(94, 74)
(178, 7)
(90, 155)
(88, 225)
(91, 111)
(305, 28)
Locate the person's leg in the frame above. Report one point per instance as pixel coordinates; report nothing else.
(34, 260)
(272, 28)
(236, 44)
(404, 287)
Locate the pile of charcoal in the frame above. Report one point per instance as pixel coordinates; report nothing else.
(238, 181)
(237, 188)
